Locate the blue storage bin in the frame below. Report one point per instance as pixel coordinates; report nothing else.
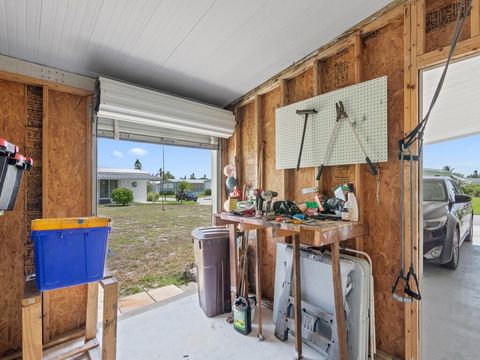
(70, 256)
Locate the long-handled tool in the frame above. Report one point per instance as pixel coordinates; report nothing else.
(306, 113)
(342, 115)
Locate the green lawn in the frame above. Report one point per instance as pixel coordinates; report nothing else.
(149, 247)
(476, 206)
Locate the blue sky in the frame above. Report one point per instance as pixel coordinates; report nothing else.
(461, 154)
(180, 161)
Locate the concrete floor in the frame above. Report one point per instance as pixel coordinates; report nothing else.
(180, 330)
(451, 306)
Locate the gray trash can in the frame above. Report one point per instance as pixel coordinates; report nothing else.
(211, 246)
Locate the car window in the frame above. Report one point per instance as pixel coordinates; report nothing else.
(434, 190)
(456, 188)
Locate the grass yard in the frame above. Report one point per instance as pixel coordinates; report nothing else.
(149, 247)
(476, 205)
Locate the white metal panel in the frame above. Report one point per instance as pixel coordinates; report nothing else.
(457, 111)
(366, 107)
(136, 108)
(212, 51)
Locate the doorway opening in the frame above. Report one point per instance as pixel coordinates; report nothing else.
(170, 193)
(450, 193)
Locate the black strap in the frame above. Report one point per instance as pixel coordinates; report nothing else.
(417, 132)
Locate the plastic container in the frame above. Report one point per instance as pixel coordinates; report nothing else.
(242, 316)
(69, 251)
(12, 166)
(211, 247)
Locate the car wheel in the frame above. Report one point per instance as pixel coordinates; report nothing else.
(453, 263)
(470, 232)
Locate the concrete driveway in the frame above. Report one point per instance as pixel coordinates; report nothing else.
(451, 306)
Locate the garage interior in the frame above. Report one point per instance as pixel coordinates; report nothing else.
(230, 77)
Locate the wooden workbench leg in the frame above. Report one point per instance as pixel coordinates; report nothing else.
(339, 309)
(258, 286)
(32, 328)
(233, 262)
(297, 295)
(92, 308)
(109, 336)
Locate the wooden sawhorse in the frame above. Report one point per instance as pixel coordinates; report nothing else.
(32, 344)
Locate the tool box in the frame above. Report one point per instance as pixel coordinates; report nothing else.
(12, 166)
(69, 251)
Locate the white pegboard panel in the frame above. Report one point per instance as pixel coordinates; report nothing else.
(366, 106)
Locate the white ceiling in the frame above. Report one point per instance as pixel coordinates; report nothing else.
(210, 50)
(457, 111)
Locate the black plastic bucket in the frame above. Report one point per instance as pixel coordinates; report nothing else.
(12, 166)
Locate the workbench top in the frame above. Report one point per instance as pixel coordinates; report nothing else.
(325, 231)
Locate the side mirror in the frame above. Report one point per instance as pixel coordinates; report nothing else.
(462, 198)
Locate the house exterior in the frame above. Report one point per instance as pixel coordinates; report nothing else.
(198, 185)
(111, 179)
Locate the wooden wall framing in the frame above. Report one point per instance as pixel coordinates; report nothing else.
(53, 126)
(398, 42)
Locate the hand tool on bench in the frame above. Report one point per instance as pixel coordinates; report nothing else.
(342, 115)
(268, 196)
(306, 113)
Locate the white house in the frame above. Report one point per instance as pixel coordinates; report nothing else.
(198, 185)
(135, 180)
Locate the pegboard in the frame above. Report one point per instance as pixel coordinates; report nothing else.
(366, 106)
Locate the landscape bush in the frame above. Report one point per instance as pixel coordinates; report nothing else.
(167, 192)
(208, 192)
(153, 196)
(122, 196)
(471, 189)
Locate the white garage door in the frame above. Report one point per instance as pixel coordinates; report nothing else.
(130, 112)
(457, 111)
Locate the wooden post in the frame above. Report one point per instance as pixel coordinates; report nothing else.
(233, 262)
(297, 295)
(317, 90)
(45, 207)
(109, 336)
(475, 18)
(92, 308)
(339, 309)
(359, 173)
(258, 233)
(286, 173)
(421, 29)
(32, 348)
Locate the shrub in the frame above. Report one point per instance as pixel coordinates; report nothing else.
(208, 192)
(153, 196)
(167, 192)
(122, 196)
(472, 190)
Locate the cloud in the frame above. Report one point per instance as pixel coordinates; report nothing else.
(137, 151)
(117, 154)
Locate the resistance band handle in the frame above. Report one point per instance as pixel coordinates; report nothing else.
(320, 170)
(371, 167)
(408, 289)
(395, 296)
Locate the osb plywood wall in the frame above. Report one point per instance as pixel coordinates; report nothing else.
(13, 224)
(52, 126)
(388, 49)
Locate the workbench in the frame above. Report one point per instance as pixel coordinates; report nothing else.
(325, 232)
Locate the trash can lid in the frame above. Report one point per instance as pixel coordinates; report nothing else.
(207, 233)
(7, 149)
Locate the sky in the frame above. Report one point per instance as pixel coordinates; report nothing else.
(180, 161)
(461, 154)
